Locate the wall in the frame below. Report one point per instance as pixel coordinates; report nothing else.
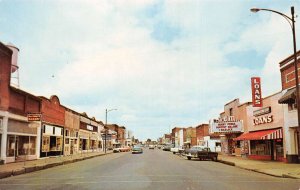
(287, 72)
(5, 73)
(72, 120)
(52, 111)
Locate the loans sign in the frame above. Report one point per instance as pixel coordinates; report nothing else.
(256, 92)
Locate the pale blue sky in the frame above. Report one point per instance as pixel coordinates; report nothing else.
(160, 63)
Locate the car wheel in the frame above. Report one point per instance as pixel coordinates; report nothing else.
(189, 158)
(214, 158)
(173, 152)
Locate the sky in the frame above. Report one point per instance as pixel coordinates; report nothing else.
(161, 64)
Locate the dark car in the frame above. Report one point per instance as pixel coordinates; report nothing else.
(201, 152)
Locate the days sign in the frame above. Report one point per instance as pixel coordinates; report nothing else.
(34, 116)
(226, 125)
(262, 111)
(256, 92)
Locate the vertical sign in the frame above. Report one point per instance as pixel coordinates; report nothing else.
(256, 92)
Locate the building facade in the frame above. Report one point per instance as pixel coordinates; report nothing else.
(53, 122)
(265, 130)
(288, 100)
(18, 135)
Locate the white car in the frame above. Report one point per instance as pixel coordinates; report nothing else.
(151, 146)
(177, 149)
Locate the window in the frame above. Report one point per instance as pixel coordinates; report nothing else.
(292, 106)
(260, 147)
(67, 132)
(230, 112)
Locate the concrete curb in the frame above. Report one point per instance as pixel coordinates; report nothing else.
(18, 171)
(289, 176)
(255, 170)
(29, 169)
(5, 174)
(226, 162)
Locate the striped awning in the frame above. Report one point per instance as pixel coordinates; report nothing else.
(261, 135)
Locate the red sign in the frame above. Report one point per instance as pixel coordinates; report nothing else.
(34, 116)
(256, 92)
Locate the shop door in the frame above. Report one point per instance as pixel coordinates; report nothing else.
(279, 149)
(17, 147)
(72, 146)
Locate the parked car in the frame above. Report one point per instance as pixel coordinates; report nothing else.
(137, 150)
(116, 150)
(125, 149)
(201, 152)
(151, 146)
(177, 149)
(167, 147)
(159, 146)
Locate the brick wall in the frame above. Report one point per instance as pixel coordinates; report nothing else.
(52, 111)
(5, 72)
(287, 72)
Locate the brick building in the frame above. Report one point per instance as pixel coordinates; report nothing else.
(19, 138)
(53, 122)
(288, 100)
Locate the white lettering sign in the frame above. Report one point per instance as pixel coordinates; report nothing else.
(263, 120)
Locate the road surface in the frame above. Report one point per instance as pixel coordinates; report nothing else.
(153, 170)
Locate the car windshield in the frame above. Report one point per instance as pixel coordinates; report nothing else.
(196, 148)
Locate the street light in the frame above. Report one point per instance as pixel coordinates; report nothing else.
(291, 21)
(106, 111)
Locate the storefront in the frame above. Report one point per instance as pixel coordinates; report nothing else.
(52, 133)
(52, 140)
(72, 123)
(21, 141)
(265, 138)
(88, 134)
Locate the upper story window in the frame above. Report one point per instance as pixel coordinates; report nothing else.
(230, 112)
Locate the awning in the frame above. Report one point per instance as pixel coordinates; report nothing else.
(261, 135)
(288, 97)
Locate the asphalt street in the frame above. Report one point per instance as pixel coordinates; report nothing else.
(154, 169)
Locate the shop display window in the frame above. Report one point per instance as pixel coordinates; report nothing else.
(20, 145)
(58, 143)
(11, 145)
(32, 145)
(23, 145)
(279, 148)
(260, 147)
(46, 144)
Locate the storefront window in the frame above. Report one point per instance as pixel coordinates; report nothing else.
(58, 143)
(46, 144)
(260, 147)
(23, 145)
(20, 145)
(279, 148)
(11, 145)
(32, 145)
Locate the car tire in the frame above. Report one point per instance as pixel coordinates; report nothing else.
(189, 158)
(173, 152)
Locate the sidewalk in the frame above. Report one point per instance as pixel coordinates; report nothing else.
(273, 168)
(18, 168)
